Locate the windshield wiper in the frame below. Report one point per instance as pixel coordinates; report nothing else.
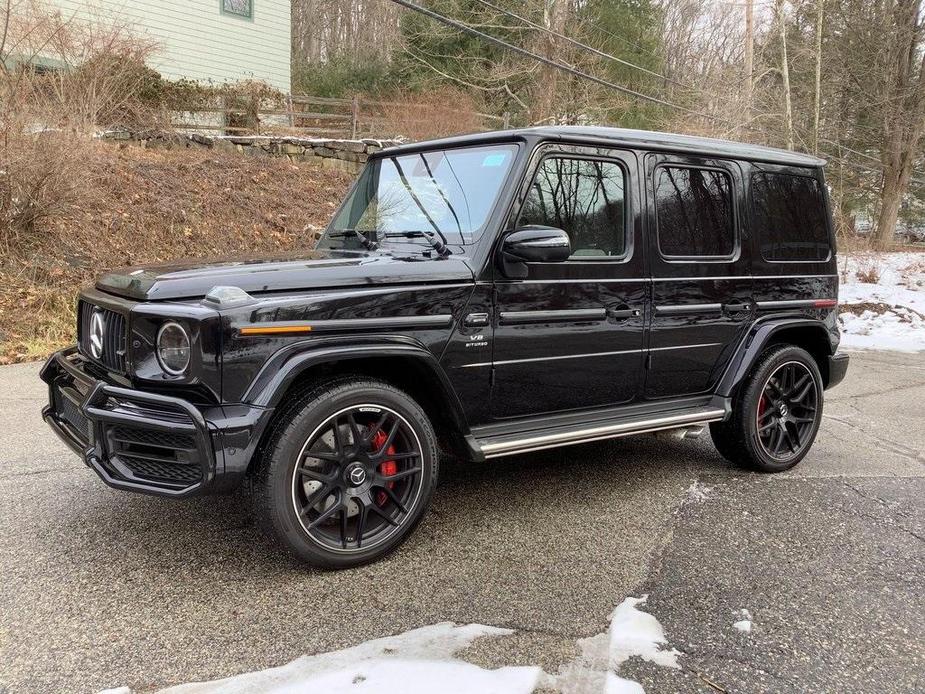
(428, 235)
(438, 244)
(367, 242)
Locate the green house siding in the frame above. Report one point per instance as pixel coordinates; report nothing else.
(200, 39)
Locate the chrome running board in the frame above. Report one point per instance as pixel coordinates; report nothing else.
(510, 444)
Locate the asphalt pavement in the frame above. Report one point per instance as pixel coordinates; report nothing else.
(103, 588)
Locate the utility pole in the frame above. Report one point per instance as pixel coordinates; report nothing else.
(820, 9)
(749, 57)
(785, 71)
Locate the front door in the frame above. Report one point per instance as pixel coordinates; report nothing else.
(701, 284)
(570, 335)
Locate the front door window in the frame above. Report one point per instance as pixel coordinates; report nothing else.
(586, 199)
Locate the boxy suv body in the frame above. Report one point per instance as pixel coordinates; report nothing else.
(479, 296)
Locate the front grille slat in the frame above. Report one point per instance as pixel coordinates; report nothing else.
(159, 439)
(154, 471)
(114, 338)
(72, 415)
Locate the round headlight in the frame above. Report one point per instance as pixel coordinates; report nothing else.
(173, 348)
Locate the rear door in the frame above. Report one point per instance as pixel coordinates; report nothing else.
(701, 284)
(570, 335)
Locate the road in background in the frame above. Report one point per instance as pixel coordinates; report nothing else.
(106, 588)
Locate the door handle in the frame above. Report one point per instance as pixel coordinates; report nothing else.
(476, 320)
(623, 313)
(737, 308)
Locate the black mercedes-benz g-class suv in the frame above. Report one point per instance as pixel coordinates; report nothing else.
(479, 296)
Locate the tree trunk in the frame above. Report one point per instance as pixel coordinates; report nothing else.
(904, 117)
(785, 72)
(820, 7)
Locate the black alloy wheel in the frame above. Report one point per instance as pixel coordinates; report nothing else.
(347, 472)
(357, 478)
(787, 411)
(776, 412)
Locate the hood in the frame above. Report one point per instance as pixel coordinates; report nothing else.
(310, 270)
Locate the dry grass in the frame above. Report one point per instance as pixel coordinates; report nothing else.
(439, 113)
(868, 269)
(149, 206)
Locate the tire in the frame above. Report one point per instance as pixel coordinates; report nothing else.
(775, 413)
(347, 472)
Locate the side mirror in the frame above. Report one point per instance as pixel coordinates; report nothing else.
(533, 244)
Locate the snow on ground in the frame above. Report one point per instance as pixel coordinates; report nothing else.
(416, 662)
(421, 661)
(882, 301)
(745, 622)
(698, 492)
(632, 633)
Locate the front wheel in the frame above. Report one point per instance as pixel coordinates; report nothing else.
(347, 473)
(776, 413)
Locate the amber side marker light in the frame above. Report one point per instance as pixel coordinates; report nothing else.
(825, 303)
(276, 330)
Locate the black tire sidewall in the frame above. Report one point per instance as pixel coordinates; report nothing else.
(281, 458)
(769, 363)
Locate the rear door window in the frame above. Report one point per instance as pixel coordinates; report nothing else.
(694, 212)
(789, 217)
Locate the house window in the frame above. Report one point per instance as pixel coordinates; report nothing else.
(240, 8)
(584, 198)
(694, 212)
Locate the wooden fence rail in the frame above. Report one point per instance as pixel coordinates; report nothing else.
(314, 115)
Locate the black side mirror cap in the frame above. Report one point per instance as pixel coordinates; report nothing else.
(533, 244)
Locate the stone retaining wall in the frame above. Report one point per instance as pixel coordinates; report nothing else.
(346, 155)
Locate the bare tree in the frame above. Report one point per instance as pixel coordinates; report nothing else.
(903, 111)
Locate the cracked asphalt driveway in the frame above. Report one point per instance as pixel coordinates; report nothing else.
(103, 588)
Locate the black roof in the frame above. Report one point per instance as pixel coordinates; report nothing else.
(646, 139)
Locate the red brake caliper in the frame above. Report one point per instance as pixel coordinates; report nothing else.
(387, 467)
(762, 406)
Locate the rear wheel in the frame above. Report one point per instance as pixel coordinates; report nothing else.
(776, 414)
(348, 473)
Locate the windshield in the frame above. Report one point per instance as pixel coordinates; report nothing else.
(447, 193)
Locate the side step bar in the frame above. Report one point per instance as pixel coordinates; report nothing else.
(493, 447)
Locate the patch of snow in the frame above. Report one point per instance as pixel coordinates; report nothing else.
(891, 314)
(117, 690)
(631, 633)
(419, 661)
(745, 622)
(698, 492)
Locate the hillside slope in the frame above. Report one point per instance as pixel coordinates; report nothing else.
(152, 205)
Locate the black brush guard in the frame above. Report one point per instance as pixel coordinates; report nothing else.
(134, 440)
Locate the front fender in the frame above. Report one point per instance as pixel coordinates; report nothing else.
(273, 381)
(759, 337)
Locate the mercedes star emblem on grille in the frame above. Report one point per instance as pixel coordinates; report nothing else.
(97, 333)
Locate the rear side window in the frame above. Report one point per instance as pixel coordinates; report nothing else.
(693, 210)
(586, 199)
(789, 217)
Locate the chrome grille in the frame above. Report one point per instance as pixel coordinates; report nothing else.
(114, 338)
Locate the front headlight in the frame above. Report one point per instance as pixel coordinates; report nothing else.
(173, 348)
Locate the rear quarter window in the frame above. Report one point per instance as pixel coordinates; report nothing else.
(789, 217)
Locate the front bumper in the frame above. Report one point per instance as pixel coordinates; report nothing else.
(145, 442)
(838, 367)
